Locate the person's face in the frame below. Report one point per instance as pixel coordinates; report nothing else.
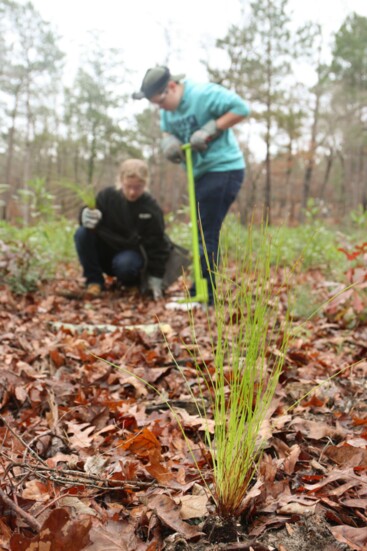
(170, 98)
(132, 187)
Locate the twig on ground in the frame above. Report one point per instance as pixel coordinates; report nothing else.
(34, 440)
(72, 477)
(29, 519)
(22, 441)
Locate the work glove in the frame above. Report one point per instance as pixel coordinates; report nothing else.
(171, 147)
(207, 133)
(90, 218)
(155, 284)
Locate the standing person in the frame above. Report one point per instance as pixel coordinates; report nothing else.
(124, 235)
(202, 114)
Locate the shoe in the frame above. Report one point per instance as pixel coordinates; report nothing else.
(94, 290)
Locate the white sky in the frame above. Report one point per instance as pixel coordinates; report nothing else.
(153, 32)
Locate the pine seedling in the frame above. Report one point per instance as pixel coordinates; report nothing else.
(246, 372)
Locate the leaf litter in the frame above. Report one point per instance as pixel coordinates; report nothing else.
(92, 458)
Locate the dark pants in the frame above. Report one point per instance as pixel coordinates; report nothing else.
(215, 192)
(96, 258)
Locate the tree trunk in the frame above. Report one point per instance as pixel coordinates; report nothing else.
(311, 157)
(329, 164)
(288, 191)
(342, 197)
(27, 156)
(10, 154)
(92, 158)
(267, 203)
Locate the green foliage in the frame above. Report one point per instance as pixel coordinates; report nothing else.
(312, 245)
(32, 255)
(304, 303)
(243, 382)
(359, 217)
(93, 104)
(85, 193)
(30, 76)
(3, 188)
(350, 52)
(180, 232)
(38, 200)
(314, 211)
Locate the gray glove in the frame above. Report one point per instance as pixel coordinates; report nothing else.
(171, 147)
(90, 218)
(207, 133)
(155, 284)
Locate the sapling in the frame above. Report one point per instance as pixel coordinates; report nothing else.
(247, 324)
(250, 337)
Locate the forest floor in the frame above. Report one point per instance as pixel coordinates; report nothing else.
(91, 458)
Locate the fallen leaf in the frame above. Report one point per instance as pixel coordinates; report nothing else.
(356, 538)
(169, 513)
(193, 506)
(355, 502)
(79, 435)
(58, 533)
(313, 429)
(291, 459)
(77, 504)
(347, 456)
(157, 469)
(348, 475)
(142, 443)
(95, 464)
(114, 536)
(36, 490)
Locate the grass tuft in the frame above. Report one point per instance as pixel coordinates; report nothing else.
(249, 344)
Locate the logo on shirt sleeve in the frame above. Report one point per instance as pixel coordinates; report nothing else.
(145, 215)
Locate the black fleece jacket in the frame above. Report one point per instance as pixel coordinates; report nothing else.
(134, 224)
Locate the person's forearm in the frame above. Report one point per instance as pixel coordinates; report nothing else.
(228, 120)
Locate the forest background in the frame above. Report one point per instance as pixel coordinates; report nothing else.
(75, 396)
(58, 128)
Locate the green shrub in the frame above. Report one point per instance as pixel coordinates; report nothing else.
(33, 254)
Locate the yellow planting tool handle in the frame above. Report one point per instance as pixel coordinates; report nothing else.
(200, 283)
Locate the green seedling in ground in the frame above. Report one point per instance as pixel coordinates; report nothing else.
(247, 326)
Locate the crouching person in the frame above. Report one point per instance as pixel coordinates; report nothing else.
(124, 235)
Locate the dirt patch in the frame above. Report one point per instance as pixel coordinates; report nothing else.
(311, 533)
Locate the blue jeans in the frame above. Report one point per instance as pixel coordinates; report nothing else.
(96, 258)
(215, 193)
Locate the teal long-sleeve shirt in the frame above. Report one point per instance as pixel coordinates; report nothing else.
(199, 104)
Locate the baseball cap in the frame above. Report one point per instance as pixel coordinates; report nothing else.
(155, 81)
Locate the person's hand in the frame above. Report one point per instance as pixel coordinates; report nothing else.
(90, 218)
(155, 284)
(207, 133)
(171, 147)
